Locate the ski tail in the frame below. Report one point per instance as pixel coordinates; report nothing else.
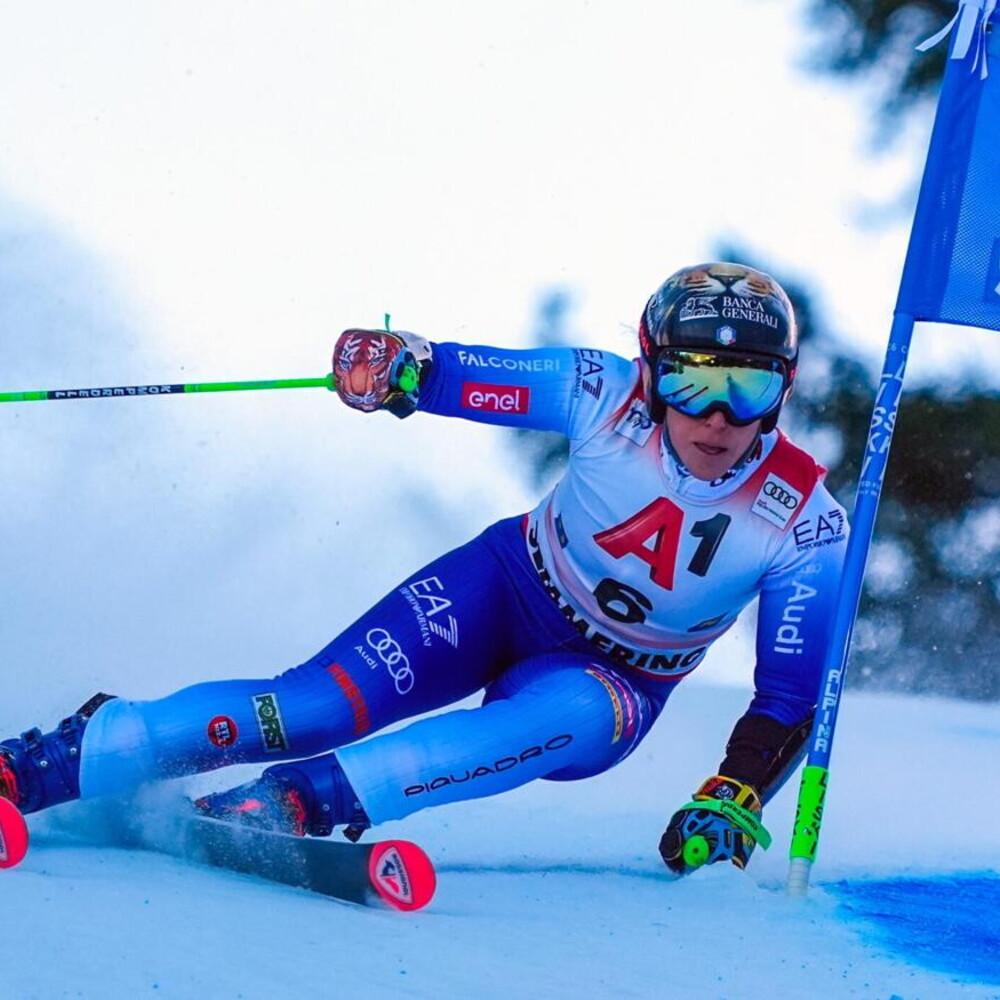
(390, 873)
(13, 835)
(401, 874)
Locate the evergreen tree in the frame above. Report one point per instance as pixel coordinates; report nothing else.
(875, 39)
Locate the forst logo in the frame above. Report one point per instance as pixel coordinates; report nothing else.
(272, 729)
(496, 398)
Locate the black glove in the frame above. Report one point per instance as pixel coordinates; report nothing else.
(721, 823)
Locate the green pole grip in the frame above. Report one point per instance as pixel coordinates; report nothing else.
(809, 813)
(23, 397)
(279, 383)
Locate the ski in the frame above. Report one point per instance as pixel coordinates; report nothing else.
(13, 834)
(396, 874)
(390, 873)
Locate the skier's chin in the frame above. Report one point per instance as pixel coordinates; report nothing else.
(707, 463)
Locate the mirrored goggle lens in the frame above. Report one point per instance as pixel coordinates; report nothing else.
(695, 383)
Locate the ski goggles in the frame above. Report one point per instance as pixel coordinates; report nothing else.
(744, 388)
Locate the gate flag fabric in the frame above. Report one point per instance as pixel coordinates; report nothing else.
(952, 269)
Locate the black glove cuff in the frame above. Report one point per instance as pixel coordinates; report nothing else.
(762, 751)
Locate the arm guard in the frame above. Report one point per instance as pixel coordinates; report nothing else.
(763, 752)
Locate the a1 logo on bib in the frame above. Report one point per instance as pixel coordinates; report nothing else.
(777, 501)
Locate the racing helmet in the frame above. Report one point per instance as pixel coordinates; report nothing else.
(719, 336)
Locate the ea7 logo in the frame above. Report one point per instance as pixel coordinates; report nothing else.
(588, 364)
(272, 729)
(824, 529)
(429, 593)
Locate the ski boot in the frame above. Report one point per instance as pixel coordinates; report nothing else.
(38, 771)
(288, 798)
(265, 803)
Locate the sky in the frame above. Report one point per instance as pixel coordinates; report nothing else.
(248, 178)
(203, 192)
(556, 891)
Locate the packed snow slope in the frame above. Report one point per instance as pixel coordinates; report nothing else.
(556, 890)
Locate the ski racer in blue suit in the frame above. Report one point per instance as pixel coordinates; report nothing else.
(680, 504)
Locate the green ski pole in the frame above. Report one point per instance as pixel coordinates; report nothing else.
(174, 389)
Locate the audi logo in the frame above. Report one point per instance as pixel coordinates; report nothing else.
(395, 660)
(775, 492)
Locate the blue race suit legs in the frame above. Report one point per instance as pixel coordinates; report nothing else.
(476, 618)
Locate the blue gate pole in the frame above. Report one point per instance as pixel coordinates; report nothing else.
(949, 276)
(812, 790)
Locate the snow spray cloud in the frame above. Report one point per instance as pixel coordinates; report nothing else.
(152, 543)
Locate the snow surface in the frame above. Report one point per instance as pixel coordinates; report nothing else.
(150, 544)
(556, 889)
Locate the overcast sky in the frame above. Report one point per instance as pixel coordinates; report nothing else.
(252, 177)
(212, 191)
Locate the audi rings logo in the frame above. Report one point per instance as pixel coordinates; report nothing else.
(777, 502)
(782, 496)
(395, 660)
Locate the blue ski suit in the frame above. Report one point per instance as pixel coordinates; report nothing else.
(576, 620)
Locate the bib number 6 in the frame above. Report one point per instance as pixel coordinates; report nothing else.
(622, 603)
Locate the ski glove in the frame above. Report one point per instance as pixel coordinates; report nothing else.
(721, 823)
(378, 370)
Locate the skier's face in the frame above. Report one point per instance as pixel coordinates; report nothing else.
(709, 446)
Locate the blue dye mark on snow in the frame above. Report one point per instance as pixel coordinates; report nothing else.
(949, 924)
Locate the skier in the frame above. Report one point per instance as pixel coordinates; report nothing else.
(681, 502)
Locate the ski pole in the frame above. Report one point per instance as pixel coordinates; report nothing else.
(174, 389)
